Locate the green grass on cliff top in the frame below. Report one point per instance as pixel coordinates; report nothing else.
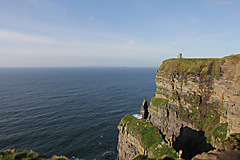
(148, 135)
(26, 155)
(142, 129)
(203, 66)
(236, 57)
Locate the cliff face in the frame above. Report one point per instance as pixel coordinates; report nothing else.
(139, 137)
(196, 107)
(227, 87)
(197, 100)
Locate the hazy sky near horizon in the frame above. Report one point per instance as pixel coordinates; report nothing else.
(132, 33)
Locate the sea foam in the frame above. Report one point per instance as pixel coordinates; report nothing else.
(138, 116)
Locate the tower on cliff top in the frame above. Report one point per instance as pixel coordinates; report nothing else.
(179, 56)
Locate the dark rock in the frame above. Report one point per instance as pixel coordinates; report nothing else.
(144, 109)
(219, 154)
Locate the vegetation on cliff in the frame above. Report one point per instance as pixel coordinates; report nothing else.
(203, 66)
(195, 105)
(159, 101)
(234, 57)
(149, 137)
(215, 131)
(232, 142)
(142, 157)
(201, 71)
(26, 155)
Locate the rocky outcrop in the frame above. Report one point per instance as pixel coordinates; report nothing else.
(144, 109)
(27, 155)
(139, 137)
(231, 150)
(128, 146)
(219, 154)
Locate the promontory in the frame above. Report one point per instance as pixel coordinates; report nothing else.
(195, 113)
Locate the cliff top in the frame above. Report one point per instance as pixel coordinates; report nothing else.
(142, 129)
(200, 66)
(148, 136)
(235, 57)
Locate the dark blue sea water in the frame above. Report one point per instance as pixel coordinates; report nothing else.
(69, 111)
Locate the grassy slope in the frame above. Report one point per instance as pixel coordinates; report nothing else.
(26, 155)
(235, 57)
(191, 66)
(148, 135)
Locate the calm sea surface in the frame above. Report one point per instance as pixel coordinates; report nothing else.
(69, 111)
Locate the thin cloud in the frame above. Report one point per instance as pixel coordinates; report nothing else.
(216, 2)
(38, 3)
(225, 3)
(14, 36)
(175, 43)
(214, 36)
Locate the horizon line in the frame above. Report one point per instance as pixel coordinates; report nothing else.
(120, 67)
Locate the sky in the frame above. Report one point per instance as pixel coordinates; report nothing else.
(115, 33)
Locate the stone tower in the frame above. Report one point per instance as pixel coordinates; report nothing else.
(179, 56)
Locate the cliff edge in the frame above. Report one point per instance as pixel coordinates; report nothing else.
(196, 105)
(140, 137)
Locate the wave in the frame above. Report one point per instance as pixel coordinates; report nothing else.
(138, 116)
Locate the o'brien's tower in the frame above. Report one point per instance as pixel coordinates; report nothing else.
(179, 56)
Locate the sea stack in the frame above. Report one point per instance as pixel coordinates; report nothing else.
(144, 109)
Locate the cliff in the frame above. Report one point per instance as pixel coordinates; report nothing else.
(139, 137)
(196, 105)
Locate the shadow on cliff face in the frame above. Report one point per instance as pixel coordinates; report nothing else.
(191, 142)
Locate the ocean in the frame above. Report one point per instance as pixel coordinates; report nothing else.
(69, 111)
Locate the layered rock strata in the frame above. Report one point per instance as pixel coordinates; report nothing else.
(139, 137)
(196, 107)
(197, 102)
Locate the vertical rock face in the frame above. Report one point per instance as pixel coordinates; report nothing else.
(227, 88)
(201, 95)
(144, 109)
(128, 146)
(139, 137)
(195, 108)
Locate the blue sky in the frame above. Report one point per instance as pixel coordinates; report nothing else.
(131, 33)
